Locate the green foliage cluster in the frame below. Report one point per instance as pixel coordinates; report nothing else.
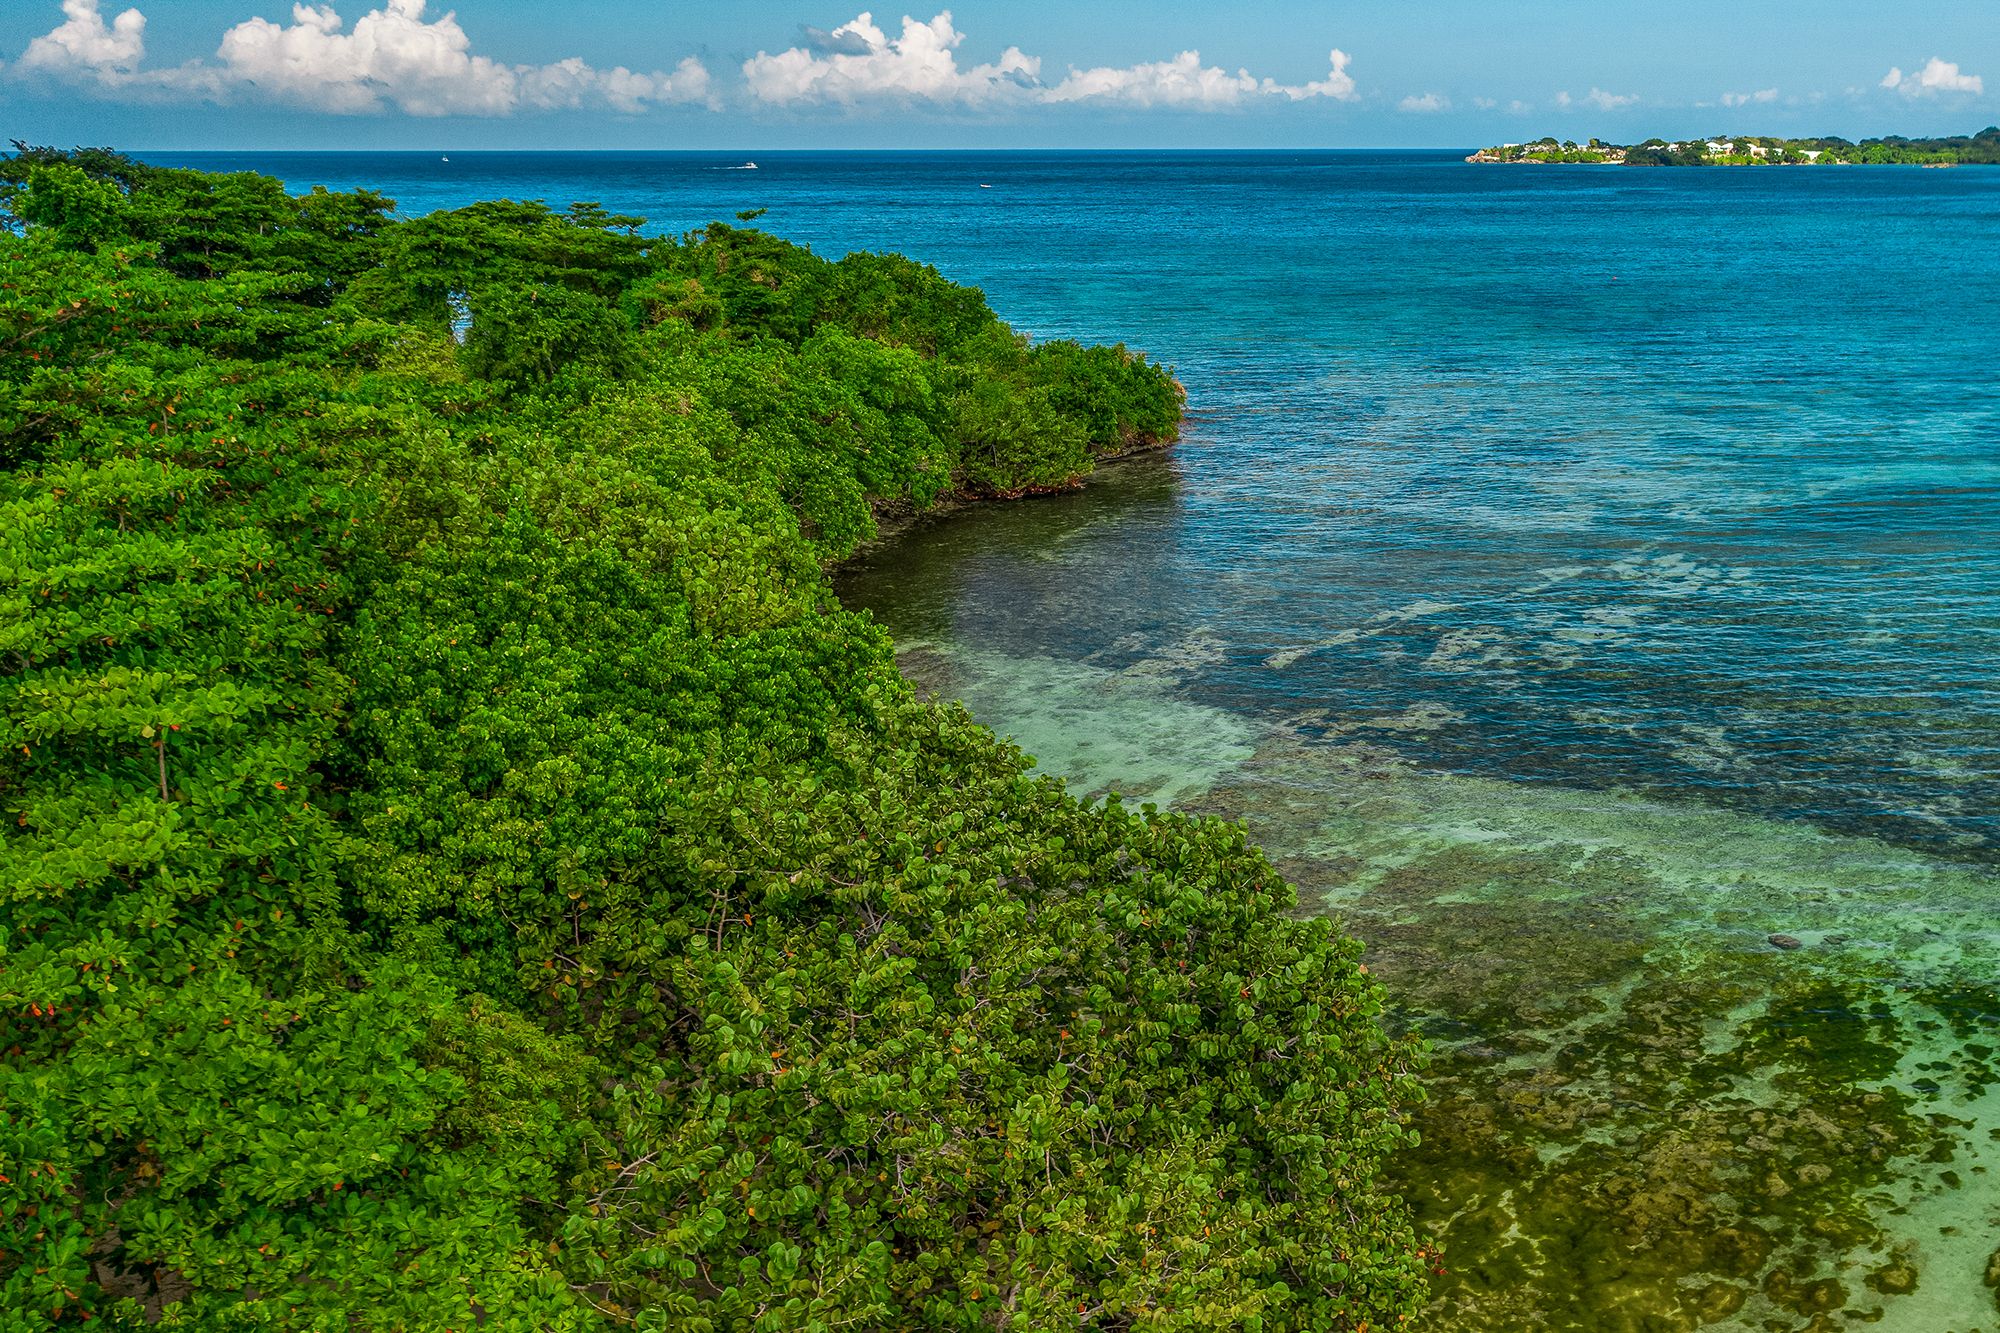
(1981, 149)
(1549, 150)
(462, 866)
(1659, 153)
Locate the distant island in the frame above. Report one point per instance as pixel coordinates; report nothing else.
(1981, 149)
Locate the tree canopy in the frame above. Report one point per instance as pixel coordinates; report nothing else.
(464, 866)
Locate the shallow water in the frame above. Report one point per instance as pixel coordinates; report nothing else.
(1574, 577)
(1643, 1114)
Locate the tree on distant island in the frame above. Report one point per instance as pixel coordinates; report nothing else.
(1981, 149)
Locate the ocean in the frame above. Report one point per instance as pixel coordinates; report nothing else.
(1585, 583)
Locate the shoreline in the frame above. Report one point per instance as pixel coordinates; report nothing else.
(898, 518)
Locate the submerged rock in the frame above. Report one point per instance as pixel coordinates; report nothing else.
(1739, 1251)
(1898, 1277)
(1679, 1129)
(1804, 1297)
(1718, 1301)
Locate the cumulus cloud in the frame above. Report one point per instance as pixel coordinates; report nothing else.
(1182, 81)
(1338, 83)
(1185, 82)
(859, 61)
(85, 50)
(393, 57)
(1597, 98)
(1430, 103)
(83, 42)
(1935, 78)
(1762, 95)
(396, 56)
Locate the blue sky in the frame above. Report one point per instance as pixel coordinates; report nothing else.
(981, 73)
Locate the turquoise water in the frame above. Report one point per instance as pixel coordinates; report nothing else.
(1575, 578)
(1682, 480)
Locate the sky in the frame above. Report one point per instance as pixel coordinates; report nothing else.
(625, 74)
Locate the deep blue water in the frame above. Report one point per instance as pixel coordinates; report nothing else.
(1682, 481)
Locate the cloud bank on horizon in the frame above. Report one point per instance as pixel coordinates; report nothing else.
(392, 58)
(397, 58)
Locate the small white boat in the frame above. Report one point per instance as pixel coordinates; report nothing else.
(444, 159)
(986, 187)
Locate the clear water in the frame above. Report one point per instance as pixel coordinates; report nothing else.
(1574, 577)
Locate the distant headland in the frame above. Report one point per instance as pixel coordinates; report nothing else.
(1981, 149)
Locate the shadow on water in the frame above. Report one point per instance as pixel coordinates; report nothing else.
(1016, 562)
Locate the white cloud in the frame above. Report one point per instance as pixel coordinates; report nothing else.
(425, 68)
(1182, 81)
(1338, 83)
(84, 49)
(396, 57)
(1427, 104)
(858, 61)
(1598, 98)
(1185, 82)
(84, 43)
(393, 57)
(1762, 95)
(1936, 77)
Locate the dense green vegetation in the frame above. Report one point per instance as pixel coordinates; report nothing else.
(1981, 149)
(1547, 150)
(462, 864)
